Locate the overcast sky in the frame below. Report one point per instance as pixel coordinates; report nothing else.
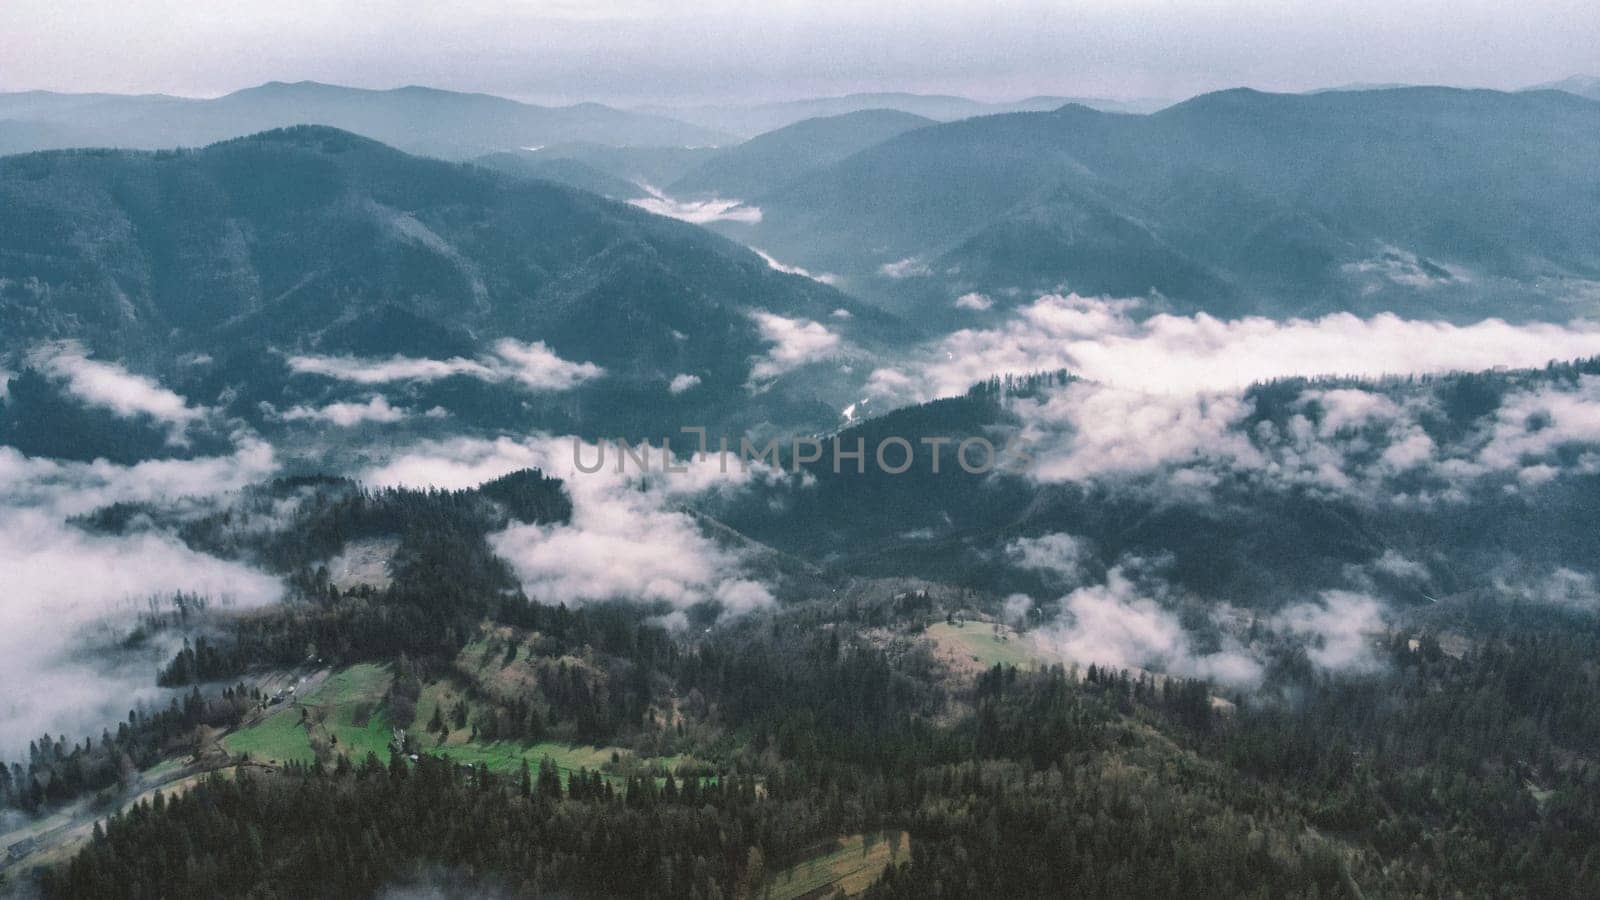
(638, 51)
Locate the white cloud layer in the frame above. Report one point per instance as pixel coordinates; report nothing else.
(628, 539)
(795, 342)
(700, 212)
(532, 365)
(1339, 628)
(346, 415)
(1123, 622)
(60, 582)
(72, 488)
(1353, 441)
(110, 386)
(1061, 556)
(1115, 624)
(1100, 340)
(823, 277)
(909, 267)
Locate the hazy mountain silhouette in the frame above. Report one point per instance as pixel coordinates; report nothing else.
(1430, 200)
(417, 119)
(758, 118)
(313, 240)
(769, 161)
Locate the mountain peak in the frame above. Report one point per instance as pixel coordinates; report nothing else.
(324, 138)
(1587, 86)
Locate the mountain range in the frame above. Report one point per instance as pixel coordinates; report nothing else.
(214, 269)
(1582, 85)
(771, 160)
(1255, 534)
(424, 120)
(753, 119)
(1425, 201)
(756, 166)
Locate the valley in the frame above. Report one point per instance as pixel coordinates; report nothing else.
(424, 492)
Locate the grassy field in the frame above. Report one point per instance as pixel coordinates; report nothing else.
(365, 681)
(507, 756)
(347, 706)
(851, 865)
(348, 714)
(350, 705)
(278, 738)
(978, 644)
(164, 768)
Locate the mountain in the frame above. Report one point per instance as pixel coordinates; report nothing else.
(1259, 531)
(1582, 85)
(1429, 201)
(561, 170)
(417, 119)
(640, 165)
(769, 161)
(212, 269)
(1362, 86)
(754, 119)
(25, 135)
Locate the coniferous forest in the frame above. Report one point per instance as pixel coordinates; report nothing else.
(799, 451)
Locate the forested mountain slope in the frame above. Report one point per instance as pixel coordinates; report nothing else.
(1431, 202)
(219, 268)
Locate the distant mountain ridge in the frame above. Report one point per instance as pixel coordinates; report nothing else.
(1217, 540)
(1582, 85)
(771, 160)
(750, 120)
(435, 122)
(311, 241)
(1428, 201)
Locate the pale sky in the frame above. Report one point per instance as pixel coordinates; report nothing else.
(640, 51)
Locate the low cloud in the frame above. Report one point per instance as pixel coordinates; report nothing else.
(361, 370)
(683, 382)
(823, 277)
(1531, 425)
(1060, 556)
(346, 415)
(1101, 340)
(1124, 623)
(68, 592)
(109, 386)
(73, 488)
(1368, 441)
(629, 538)
(909, 267)
(1015, 609)
(537, 368)
(532, 365)
(1338, 629)
(1087, 430)
(1397, 565)
(1116, 624)
(1404, 268)
(700, 212)
(1564, 587)
(60, 582)
(974, 301)
(795, 343)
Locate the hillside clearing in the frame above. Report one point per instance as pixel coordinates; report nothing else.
(849, 866)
